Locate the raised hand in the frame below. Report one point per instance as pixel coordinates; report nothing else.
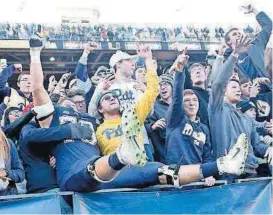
(144, 51)
(221, 49)
(52, 84)
(90, 46)
(249, 8)
(242, 45)
(18, 67)
(108, 81)
(64, 80)
(255, 89)
(263, 80)
(181, 61)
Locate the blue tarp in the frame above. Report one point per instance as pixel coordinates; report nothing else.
(248, 198)
(252, 197)
(36, 204)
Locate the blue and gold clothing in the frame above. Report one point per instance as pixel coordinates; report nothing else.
(188, 142)
(109, 133)
(71, 154)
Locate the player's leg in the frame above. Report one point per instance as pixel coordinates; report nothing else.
(232, 163)
(136, 177)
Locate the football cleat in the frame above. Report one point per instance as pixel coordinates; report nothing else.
(131, 151)
(234, 161)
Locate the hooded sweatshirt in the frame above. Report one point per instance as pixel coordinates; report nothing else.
(227, 123)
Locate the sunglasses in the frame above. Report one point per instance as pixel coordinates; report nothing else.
(108, 97)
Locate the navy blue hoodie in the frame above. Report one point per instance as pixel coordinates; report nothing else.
(188, 142)
(35, 156)
(158, 136)
(203, 97)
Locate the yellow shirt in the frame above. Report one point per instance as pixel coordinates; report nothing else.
(109, 133)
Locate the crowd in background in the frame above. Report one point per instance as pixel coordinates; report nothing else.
(113, 32)
(229, 94)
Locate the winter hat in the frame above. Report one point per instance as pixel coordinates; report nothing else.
(166, 79)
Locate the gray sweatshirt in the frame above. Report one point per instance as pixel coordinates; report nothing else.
(227, 123)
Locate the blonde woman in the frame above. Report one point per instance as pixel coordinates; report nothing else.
(11, 169)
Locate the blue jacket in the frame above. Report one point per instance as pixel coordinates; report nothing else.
(35, 155)
(251, 63)
(227, 123)
(158, 136)
(14, 167)
(182, 146)
(82, 75)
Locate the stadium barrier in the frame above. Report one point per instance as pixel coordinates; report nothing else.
(252, 196)
(111, 45)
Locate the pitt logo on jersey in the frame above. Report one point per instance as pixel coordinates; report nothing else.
(199, 137)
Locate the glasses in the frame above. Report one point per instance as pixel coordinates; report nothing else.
(80, 102)
(15, 113)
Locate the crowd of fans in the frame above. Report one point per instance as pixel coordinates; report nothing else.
(84, 32)
(196, 121)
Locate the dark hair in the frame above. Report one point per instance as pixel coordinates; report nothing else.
(227, 38)
(62, 99)
(139, 67)
(189, 92)
(21, 74)
(7, 112)
(235, 80)
(196, 65)
(75, 92)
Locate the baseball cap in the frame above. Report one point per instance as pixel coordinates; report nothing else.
(118, 56)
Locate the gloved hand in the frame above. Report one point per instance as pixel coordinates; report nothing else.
(80, 131)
